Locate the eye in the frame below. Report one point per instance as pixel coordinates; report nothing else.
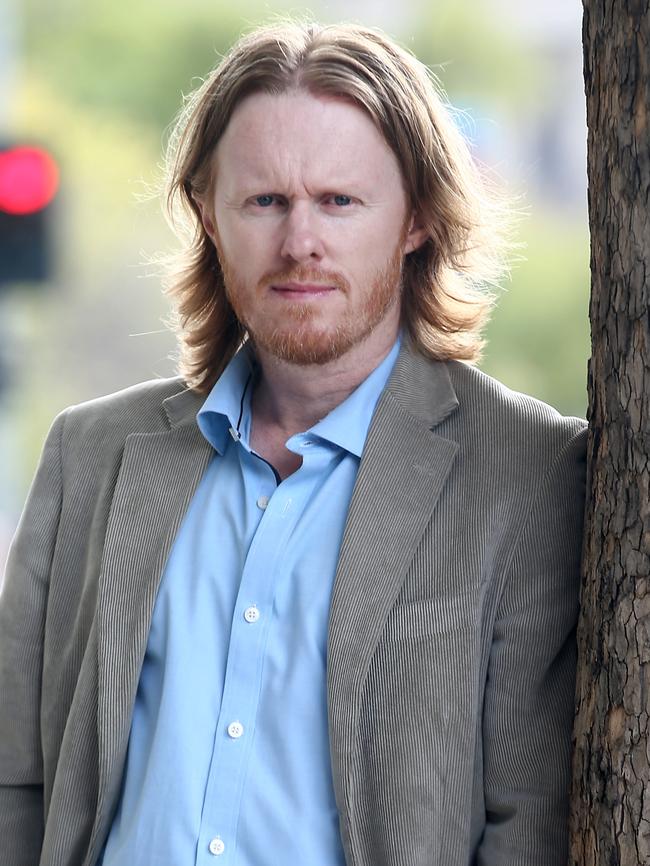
(341, 200)
(264, 200)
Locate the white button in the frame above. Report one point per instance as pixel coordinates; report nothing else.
(251, 614)
(262, 502)
(216, 846)
(235, 730)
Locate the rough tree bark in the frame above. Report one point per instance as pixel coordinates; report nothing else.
(611, 786)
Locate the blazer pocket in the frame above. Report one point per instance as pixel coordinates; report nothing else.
(418, 620)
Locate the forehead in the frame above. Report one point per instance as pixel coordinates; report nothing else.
(299, 137)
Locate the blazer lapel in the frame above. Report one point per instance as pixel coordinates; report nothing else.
(402, 472)
(157, 478)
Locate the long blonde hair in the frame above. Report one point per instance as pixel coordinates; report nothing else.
(445, 301)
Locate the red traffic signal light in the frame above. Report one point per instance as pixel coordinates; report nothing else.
(29, 179)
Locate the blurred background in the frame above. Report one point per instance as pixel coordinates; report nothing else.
(87, 95)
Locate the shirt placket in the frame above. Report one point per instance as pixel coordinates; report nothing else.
(249, 633)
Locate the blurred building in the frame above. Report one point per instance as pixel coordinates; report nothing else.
(555, 142)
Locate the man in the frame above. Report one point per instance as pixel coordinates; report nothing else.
(314, 602)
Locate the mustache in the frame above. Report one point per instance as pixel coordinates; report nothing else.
(305, 274)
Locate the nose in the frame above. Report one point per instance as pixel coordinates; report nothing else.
(302, 240)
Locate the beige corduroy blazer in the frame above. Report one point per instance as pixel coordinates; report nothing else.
(451, 635)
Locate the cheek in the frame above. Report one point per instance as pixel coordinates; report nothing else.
(249, 242)
(371, 254)
(381, 236)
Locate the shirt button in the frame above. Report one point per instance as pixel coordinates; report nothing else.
(251, 614)
(235, 730)
(216, 846)
(262, 502)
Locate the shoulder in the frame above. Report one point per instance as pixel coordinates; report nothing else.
(513, 445)
(461, 402)
(496, 430)
(138, 405)
(106, 421)
(518, 458)
(494, 412)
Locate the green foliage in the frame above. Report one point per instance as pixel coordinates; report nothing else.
(132, 59)
(137, 58)
(473, 54)
(539, 334)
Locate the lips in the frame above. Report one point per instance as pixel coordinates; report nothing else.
(301, 289)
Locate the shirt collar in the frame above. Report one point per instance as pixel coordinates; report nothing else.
(227, 406)
(348, 423)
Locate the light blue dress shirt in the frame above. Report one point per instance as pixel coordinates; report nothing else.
(228, 759)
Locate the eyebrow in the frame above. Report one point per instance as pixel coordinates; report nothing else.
(248, 187)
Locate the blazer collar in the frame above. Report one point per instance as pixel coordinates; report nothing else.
(422, 387)
(181, 408)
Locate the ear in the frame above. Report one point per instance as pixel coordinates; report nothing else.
(206, 217)
(415, 236)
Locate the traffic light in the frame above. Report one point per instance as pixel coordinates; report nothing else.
(29, 179)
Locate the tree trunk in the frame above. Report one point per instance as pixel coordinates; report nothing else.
(610, 821)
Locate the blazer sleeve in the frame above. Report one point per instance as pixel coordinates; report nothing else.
(530, 689)
(23, 602)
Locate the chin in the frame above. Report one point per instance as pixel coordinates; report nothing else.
(305, 347)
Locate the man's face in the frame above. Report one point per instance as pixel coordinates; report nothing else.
(311, 225)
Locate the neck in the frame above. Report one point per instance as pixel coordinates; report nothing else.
(293, 397)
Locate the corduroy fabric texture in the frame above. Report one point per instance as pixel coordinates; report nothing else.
(451, 651)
